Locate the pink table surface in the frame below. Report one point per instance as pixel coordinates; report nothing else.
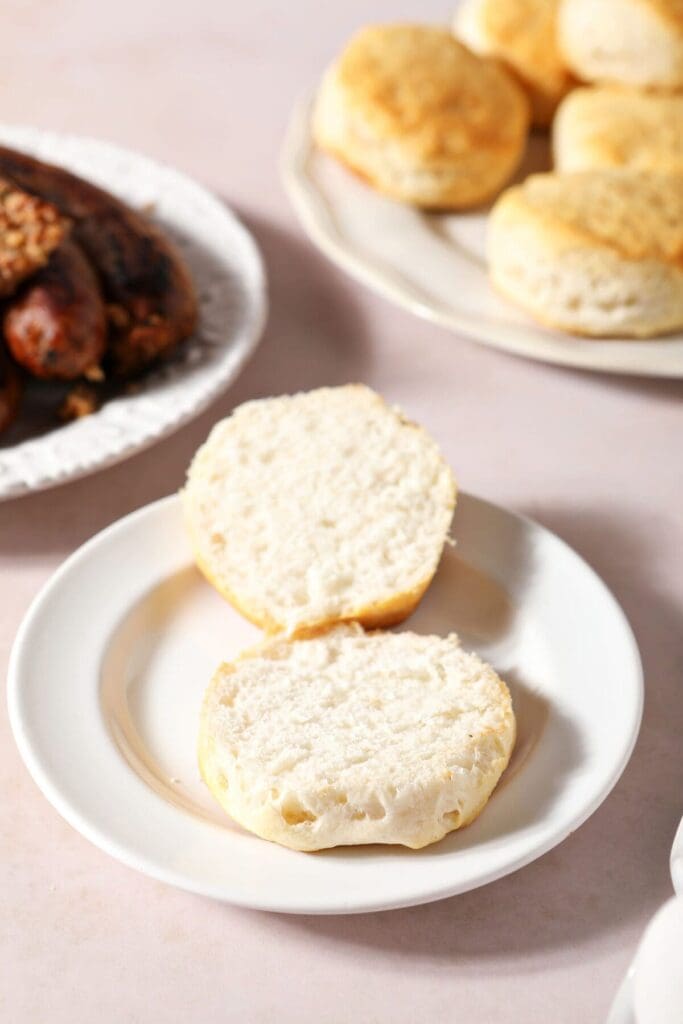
(208, 86)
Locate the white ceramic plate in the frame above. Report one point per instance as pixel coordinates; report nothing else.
(226, 266)
(104, 698)
(622, 1009)
(434, 265)
(676, 861)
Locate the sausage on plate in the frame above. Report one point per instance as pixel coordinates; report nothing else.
(149, 293)
(55, 327)
(30, 230)
(11, 388)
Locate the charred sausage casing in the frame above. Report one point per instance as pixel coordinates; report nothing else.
(11, 388)
(55, 327)
(148, 290)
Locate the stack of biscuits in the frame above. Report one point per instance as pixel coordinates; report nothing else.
(322, 517)
(440, 120)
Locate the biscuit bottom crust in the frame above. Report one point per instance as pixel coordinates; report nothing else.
(271, 829)
(592, 294)
(379, 615)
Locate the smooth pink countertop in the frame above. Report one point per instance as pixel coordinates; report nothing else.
(208, 86)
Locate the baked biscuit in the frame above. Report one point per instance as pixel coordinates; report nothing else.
(629, 42)
(351, 738)
(422, 118)
(597, 253)
(303, 510)
(607, 126)
(521, 33)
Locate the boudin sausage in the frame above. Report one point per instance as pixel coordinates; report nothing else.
(55, 327)
(149, 294)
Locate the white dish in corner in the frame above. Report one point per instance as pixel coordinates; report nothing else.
(104, 697)
(36, 452)
(676, 860)
(434, 264)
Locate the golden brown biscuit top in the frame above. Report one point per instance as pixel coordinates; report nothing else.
(639, 215)
(523, 31)
(669, 10)
(627, 126)
(420, 86)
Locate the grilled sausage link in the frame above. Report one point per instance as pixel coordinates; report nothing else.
(11, 388)
(147, 288)
(56, 326)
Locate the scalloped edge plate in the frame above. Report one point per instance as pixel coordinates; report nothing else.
(434, 265)
(231, 285)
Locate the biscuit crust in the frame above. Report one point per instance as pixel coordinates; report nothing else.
(626, 42)
(670, 11)
(422, 118)
(379, 615)
(639, 216)
(523, 34)
(596, 253)
(608, 126)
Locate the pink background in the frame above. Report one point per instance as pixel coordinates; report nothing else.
(208, 87)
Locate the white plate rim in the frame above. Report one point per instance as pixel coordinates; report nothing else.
(315, 216)
(151, 428)
(34, 761)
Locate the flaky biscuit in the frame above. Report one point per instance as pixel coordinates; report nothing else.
(597, 253)
(421, 117)
(521, 33)
(608, 126)
(629, 42)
